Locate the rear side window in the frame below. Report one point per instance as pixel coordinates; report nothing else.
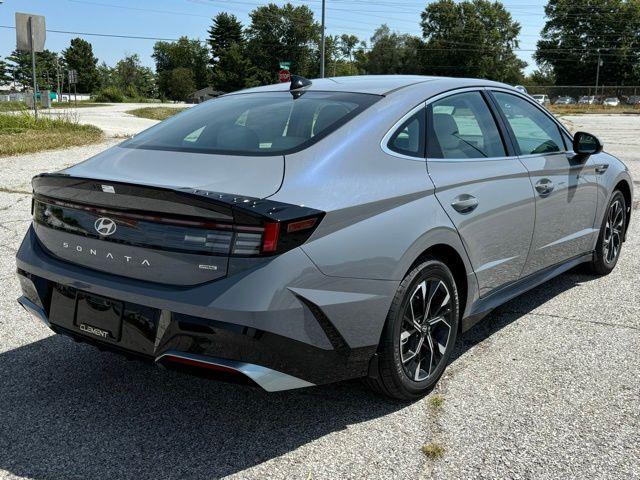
(269, 123)
(535, 132)
(410, 136)
(461, 126)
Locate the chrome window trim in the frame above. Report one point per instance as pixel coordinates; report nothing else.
(384, 143)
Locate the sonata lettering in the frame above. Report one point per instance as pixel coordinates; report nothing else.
(107, 255)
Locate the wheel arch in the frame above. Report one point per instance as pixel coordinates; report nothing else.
(454, 260)
(625, 189)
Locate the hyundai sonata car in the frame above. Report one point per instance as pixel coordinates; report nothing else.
(305, 233)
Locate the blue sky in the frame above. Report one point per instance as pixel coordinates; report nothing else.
(174, 18)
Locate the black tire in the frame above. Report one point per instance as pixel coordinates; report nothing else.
(394, 365)
(605, 258)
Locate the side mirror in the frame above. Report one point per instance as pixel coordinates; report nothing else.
(586, 144)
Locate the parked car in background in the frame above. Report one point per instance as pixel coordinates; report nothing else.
(541, 99)
(633, 100)
(293, 235)
(611, 102)
(521, 89)
(565, 101)
(587, 100)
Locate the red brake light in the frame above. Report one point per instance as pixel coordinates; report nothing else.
(270, 237)
(301, 225)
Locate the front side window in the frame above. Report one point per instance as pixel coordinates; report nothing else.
(461, 126)
(269, 123)
(535, 132)
(408, 139)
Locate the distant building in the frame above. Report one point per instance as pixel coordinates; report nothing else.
(203, 95)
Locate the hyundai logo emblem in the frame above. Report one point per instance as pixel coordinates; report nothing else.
(105, 226)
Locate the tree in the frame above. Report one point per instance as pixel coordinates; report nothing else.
(184, 53)
(5, 73)
(347, 45)
(285, 33)
(225, 31)
(79, 57)
(393, 53)
(132, 78)
(181, 83)
(575, 31)
(234, 70)
(474, 38)
(542, 76)
(104, 75)
(46, 68)
(231, 68)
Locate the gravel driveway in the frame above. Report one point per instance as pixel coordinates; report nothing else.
(111, 117)
(548, 386)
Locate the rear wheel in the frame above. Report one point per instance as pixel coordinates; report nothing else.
(612, 233)
(419, 334)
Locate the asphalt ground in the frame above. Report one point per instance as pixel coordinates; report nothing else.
(548, 386)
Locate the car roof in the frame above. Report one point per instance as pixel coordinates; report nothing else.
(372, 84)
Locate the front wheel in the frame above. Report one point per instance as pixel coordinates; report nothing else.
(611, 235)
(419, 334)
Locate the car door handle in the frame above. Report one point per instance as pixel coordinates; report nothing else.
(464, 203)
(544, 186)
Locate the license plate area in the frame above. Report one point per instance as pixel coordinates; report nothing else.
(99, 316)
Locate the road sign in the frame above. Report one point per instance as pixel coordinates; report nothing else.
(285, 65)
(284, 76)
(73, 77)
(28, 26)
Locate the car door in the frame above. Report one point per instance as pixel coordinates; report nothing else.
(482, 186)
(565, 185)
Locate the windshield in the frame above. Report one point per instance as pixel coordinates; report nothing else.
(270, 123)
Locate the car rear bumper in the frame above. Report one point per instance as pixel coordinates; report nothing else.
(284, 325)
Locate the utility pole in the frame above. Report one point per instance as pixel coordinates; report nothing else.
(58, 79)
(598, 72)
(322, 41)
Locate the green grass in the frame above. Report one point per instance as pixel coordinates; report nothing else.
(156, 113)
(12, 106)
(436, 402)
(433, 450)
(22, 133)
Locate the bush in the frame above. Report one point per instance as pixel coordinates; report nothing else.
(109, 95)
(130, 92)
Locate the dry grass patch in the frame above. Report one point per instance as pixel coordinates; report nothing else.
(156, 113)
(433, 450)
(582, 109)
(436, 402)
(22, 133)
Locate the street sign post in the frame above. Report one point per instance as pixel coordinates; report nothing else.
(31, 34)
(73, 80)
(285, 65)
(284, 76)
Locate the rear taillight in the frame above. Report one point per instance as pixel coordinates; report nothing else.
(273, 237)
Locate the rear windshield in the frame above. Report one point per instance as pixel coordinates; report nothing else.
(269, 123)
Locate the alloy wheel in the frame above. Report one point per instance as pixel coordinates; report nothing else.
(426, 329)
(613, 231)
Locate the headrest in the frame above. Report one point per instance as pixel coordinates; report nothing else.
(446, 130)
